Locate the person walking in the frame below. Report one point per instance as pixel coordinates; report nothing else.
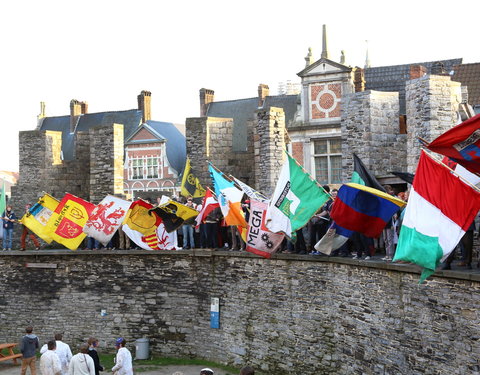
(49, 361)
(63, 352)
(9, 218)
(123, 359)
(28, 347)
(82, 363)
(92, 352)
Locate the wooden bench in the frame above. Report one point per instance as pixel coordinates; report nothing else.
(11, 354)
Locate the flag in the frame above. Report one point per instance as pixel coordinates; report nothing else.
(295, 200)
(259, 239)
(362, 176)
(67, 221)
(208, 205)
(461, 171)
(229, 198)
(363, 209)
(106, 218)
(440, 209)
(251, 192)
(146, 229)
(38, 216)
(335, 237)
(174, 214)
(191, 186)
(461, 143)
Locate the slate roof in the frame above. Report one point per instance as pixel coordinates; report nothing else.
(130, 119)
(469, 75)
(392, 78)
(242, 110)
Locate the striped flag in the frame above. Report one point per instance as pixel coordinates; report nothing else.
(439, 211)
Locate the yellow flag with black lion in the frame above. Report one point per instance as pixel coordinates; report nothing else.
(190, 184)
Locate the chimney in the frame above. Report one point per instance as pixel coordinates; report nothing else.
(144, 100)
(324, 43)
(75, 112)
(417, 71)
(438, 68)
(359, 79)
(206, 97)
(42, 111)
(84, 107)
(263, 92)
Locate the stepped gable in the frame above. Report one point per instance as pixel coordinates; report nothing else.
(392, 78)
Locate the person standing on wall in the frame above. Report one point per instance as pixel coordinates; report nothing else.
(123, 359)
(9, 218)
(188, 229)
(26, 232)
(28, 347)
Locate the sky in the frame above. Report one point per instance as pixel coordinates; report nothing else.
(105, 52)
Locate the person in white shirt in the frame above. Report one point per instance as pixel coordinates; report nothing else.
(63, 351)
(123, 360)
(49, 361)
(82, 363)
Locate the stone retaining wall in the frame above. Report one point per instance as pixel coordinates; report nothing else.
(290, 314)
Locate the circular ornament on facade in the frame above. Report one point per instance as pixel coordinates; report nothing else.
(326, 101)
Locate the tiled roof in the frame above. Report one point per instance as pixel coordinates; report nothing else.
(392, 78)
(242, 110)
(469, 75)
(130, 119)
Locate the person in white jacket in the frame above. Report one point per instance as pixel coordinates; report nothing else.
(63, 351)
(123, 360)
(49, 361)
(82, 363)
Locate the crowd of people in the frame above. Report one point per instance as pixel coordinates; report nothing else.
(57, 359)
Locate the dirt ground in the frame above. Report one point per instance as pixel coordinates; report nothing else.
(11, 369)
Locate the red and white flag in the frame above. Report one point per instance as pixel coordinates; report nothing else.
(208, 205)
(106, 218)
(260, 240)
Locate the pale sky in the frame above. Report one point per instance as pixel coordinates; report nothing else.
(106, 51)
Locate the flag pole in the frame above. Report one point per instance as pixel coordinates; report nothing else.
(434, 158)
(308, 174)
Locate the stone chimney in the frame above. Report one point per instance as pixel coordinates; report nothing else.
(144, 105)
(206, 97)
(263, 92)
(417, 71)
(77, 108)
(359, 79)
(324, 43)
(438, 68)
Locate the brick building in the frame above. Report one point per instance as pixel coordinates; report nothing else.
(376, 112)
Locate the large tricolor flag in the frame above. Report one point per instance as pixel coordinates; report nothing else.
(363, 209)
(440, 209)
(66, 223)
(38, 216)
(259, 239)
(295, 200)
(106, 218)
(229, 198)
(208, 205)
(461, 143)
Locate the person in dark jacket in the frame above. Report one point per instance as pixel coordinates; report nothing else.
(9, 218)
(92, 352)
(28, 348)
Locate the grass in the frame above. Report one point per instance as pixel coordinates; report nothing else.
(146, 364)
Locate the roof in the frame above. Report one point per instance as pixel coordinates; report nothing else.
(392, 78)
(469, 75)
(175, 141)
(242, 110)
(130, 119)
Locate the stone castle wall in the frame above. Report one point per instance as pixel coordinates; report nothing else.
(370, 128)
(313, 315)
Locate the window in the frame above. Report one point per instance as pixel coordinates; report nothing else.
(327, 155)
(152, 167)
(137, 169)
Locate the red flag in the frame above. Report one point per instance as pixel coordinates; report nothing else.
(208, 205)
(461, 143)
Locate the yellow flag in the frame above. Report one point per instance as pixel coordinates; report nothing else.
(38, 215)
(191, 186)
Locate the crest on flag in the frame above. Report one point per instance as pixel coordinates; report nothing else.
(38, 216)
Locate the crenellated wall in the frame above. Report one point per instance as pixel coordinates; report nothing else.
(290, 314)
